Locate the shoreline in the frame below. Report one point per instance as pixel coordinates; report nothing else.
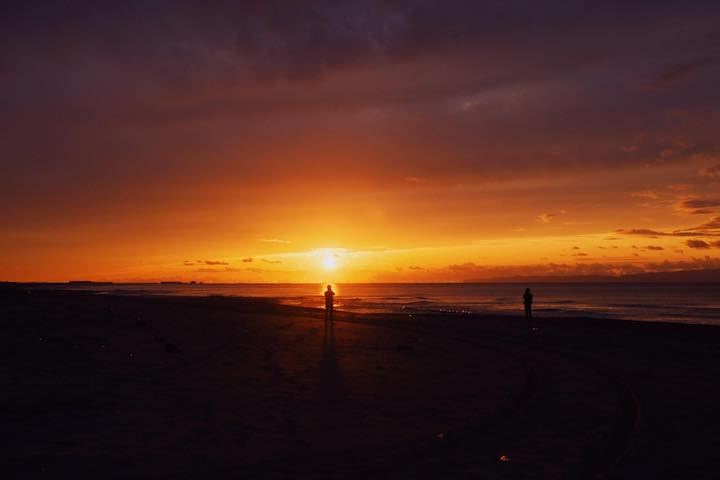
(546, 309)
(276, 302)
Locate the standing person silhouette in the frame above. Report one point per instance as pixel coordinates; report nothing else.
(329, 294)
(527, 301)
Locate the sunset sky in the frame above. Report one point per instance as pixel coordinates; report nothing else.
(357, 141)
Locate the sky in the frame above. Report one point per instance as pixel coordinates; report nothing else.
(358, 141)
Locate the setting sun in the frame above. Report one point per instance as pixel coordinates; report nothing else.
(328, 261)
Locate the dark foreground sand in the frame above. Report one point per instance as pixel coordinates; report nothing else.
(106, 387)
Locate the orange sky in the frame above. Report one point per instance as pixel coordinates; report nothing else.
(415, 230)
(418, 144)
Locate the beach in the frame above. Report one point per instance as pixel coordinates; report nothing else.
(214, 387)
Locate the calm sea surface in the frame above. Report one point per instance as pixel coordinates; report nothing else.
(648, 302)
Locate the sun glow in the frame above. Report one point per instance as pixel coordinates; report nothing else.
(329, 262)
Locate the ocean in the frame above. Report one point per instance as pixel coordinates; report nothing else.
(681, 303)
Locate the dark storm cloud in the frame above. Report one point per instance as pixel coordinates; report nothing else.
(110, 54)
(97, 96)
(186, 41)
(288, 38)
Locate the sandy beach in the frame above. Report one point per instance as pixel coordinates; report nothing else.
(100, 386)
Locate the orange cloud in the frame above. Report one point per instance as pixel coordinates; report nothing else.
(546, 217)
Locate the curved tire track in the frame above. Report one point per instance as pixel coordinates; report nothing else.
(620, 442)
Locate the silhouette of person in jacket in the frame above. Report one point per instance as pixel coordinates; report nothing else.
(527, 301)
(329, 294)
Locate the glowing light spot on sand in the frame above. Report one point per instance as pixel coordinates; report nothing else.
(329, 262)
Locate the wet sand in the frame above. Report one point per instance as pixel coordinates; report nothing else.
(98, 386)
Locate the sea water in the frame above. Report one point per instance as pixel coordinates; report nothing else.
(684, 303)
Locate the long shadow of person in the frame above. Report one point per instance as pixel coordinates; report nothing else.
(331, 388)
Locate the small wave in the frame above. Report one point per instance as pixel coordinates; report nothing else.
(420, 302)
(640, 305)
(125, 291)
(503, 300)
